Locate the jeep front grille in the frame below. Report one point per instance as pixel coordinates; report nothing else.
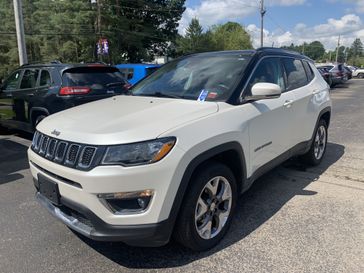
(70, 154)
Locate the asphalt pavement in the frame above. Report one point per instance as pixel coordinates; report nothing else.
(294, 219)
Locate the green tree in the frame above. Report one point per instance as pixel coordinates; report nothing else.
(195, 40)
(68, 30)
(230, 36)
(356, 52)
(315, 50)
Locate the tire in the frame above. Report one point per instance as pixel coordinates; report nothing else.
(361, 75)
(201, 210)
(318, 147)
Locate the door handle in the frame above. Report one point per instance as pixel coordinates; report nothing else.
(288, 103)
(31, 95)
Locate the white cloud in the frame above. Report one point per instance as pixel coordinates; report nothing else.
(211, 12)
(359, 4)
(349, 27)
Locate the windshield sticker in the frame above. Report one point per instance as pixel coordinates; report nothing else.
(203, 95)
(212, 95)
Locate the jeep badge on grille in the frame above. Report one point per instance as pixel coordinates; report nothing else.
(55, 132)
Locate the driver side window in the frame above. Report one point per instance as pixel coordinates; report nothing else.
(269, 70)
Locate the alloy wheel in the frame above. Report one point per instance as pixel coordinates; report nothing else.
(320, 142)
(213, 207)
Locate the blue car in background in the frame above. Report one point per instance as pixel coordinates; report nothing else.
(135, 72)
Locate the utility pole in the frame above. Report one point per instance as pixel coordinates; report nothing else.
(19, 24)
(337, 49)
(262, 12)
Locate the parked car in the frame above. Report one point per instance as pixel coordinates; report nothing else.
(338, 73)
(33, 92)
(348, 72)
(352, 68)
(173, 156)
(136, 72)
(326, 75)
(359, 73)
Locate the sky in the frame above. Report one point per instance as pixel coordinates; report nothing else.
(285, 21)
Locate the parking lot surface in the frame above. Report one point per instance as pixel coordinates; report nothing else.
(294, 219)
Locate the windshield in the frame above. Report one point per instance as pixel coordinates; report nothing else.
(199, 77)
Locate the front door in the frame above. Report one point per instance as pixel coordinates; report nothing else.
(10, 85)
(271, 122)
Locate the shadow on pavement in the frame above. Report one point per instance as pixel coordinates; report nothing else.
(13, 158)
(266, 197)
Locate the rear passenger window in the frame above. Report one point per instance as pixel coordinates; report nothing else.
(29, 79)
(309, 72)
(296, 75)
(45, 78)
(269, 70)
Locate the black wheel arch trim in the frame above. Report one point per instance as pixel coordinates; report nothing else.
(40, 109)
(192, 166)
(322, 112)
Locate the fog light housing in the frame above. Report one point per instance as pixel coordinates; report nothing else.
(127, 202)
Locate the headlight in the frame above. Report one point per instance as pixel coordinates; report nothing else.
(138, 153)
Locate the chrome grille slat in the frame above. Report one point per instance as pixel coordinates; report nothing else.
(72, 154)
(65, 153)
(44, 145)
(86, 157)
(51, 149)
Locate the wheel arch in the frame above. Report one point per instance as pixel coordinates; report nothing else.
(231, 154)
(35, 112)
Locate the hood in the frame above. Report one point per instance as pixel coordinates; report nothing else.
(123, 119)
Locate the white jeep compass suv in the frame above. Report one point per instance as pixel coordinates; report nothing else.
(172, 156)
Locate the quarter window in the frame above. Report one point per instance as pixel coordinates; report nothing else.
(45, 78)
(296, 75)
(29, 79)
(310, 74)
(269, 70)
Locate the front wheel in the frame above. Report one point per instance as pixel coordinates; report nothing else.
(207, 209)
(318, 147)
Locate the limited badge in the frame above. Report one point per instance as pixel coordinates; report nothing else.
(203, 95)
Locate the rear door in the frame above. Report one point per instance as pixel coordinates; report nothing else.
(93, 82)
(300, 82)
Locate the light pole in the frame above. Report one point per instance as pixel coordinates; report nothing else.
(19, 24)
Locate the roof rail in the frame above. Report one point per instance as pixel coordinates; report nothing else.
(55, 62)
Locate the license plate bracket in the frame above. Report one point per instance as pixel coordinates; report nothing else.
(49, 189)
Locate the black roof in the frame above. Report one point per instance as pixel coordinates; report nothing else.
(263, 51)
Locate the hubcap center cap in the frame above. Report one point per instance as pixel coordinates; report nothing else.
(212, 207)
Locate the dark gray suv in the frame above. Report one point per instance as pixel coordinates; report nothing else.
(33, 92)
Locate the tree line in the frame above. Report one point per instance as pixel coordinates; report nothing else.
(353, 55)
(137, 30)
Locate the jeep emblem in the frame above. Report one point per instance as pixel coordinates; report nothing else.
(55, 132)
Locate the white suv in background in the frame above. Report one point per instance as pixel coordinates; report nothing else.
(172, 156)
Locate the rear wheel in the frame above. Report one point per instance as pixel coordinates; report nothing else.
(318, 147)
(361, 75)
(207, 209)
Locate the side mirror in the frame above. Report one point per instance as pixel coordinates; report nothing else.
(265, 90)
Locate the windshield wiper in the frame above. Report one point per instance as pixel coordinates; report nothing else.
(115, 84)
(162, 95)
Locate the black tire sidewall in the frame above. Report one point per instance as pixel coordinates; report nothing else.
(310, 156)
(188, 234)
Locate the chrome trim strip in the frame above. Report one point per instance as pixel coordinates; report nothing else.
(66, 219)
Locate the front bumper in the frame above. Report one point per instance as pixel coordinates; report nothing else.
(85, 222)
